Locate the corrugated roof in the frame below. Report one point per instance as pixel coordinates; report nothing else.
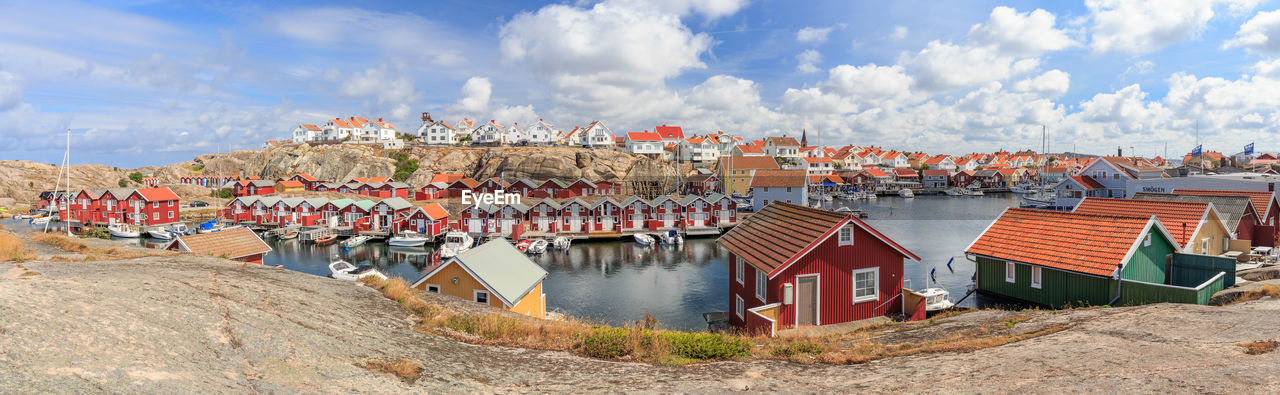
(1182, 219)
(1261, 200)
(502, 268)
(230, 244)
(1090, 244)
(157, 194)
(397, 203)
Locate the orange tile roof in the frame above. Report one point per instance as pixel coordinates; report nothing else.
(749, 162)
(157, 194)
(469, 182)
(1261, 199)
(446, 178)
(290, 184)
(904, 172)
(379, 179)
(1182, 219)
(781, 232)
(435, 211)
(643, 136)
(306, 176)
(1090, 244)
(669, 132)
(778, 179)
(750, 149)
(1088, 182)
(876, 172)
(932, 172)
(232, 244)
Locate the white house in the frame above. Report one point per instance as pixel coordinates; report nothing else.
(941, 162)
(337, 129)
(438, 133)
(307, 132)
(487, 134)
(572, 138)
(785, 147)
(894, 159)
(817, 166)
(540, 133)
(513, 135)
(596, 135)
(644, 143)
(769, 186)
(699, 149)
(377, 131)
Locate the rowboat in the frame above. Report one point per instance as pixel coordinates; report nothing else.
(643, 239)
(355, 241)
(327, 239)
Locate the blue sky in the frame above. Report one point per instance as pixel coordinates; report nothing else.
(152, 82)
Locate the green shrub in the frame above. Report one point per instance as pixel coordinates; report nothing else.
(795, 348)
(123, 183)
(606, 343)
(405, 166)
(707, 345)
(224, 193)
(95, 233)
(136, 177)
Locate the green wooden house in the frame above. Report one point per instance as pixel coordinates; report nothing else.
(1062, 259)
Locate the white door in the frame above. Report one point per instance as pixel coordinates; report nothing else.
(506, 224)
(475, 224)
(668, 220)
(606, 222)
(725, 215)
(575, 223)
(637, 221)
(543, 224)
(699, 219)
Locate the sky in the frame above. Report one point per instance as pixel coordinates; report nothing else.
(153, 82)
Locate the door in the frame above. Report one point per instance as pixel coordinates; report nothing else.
(475, 225)
(806, 300)
(637, 221)
(575, 223)
(606, 222)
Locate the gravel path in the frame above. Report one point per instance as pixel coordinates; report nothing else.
(181, 324)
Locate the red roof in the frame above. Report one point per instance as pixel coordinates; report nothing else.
(778, 179)
(434, 211)
(669, 132)
(781, 233)
(817, 160)
(943, 173)
(1088, 182)
(305, 176)
(1054, 239)
(1260, 199)
(157, 194)
(750, 149)
(290, 184)
(904, 172)
(820, 178)
(936, 160)
(1182, 219)
(644, 136)
(446, 178)
(876, 172)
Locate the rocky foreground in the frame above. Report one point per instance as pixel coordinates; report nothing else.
(186, 323)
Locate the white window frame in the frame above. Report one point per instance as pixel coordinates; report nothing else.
(841, 236)
(1226, 244)
(1146, 241)
(1204, 245)
(762, 285)
(475, 296)
(875, 285)
(436, 286)
(1010, 272)
(738, 268)
(739, 307)
(1036, 277)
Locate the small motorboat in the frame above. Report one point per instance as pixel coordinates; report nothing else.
(326, 239)
(160, 234)
(643, 239)
(407, 238)
(936, 299)
(538, 246)
(906, 193)
(956, 192)
(287, 235)
(671, 237)
(41, 220)
(455, 243)
(354, 241)
(562, 242)
(124, 230)
(871, 195)
(523, 245)
(974, 192)
(343, 270)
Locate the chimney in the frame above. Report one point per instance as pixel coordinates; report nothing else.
(1119, 151)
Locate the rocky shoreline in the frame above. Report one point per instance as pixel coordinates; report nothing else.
(183, 323)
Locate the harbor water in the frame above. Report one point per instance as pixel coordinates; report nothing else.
(618, 282)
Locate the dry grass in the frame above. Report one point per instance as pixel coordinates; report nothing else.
(12, 249)
(90, 254)
(62, 242)
(404, 369)
(870, 351)
(1259, 347)
(1255, 294)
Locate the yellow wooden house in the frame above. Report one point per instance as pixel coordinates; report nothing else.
(496, 274)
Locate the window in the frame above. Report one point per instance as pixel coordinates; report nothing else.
(738, 306)
(846, 236)
(482, 296)
(1226, 244)
(156, 217)
(737, 268)
(155, 204)
(433, 288)
(170, 215)
(1010, 272)
(788, 189)
(1146, 241)
(1035, 277)
(762, 285)
(864, 285)
(1204, 246)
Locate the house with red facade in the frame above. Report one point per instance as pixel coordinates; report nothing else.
(635, 213)
(545, 216)
(664, 213)
(794, 266)
(307, 180)
(478, 218)
(582, 187)
(575, 216)
(430, 220)
(697, 213)
(1266, 204)
(702, 184)
(492, 185)
(435, 190)
(551, 188)
(606, 215)
(509, 219)
(152, 206)
(327, 186)
(724, 211)
(604, 188)
(524, 187)
(387, 212)
(463, 184)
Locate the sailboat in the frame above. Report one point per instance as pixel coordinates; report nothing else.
(66, 197)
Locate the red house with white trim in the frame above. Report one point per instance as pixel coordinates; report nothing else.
(606, 216)
(832, 267)
(664, 213)
(435, 190)
(635, 213)
(575, 216)
(430, 220)
(152, 206)
(545, 216)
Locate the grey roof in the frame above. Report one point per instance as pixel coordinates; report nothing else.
(247, 200)
(397, 203)
(364, 205)
(331, 185)
(715, 197)
(262, 183)
(317, 202)
(519, 207)
(579, 200)
(398, 184)
(269, 201)
(985, 173)
(526, 181)
(602, 201)
(658, 200)
(120, 193)
(583, 180)
(1231, 208)
(293, 201)
(550, 202)
(375, 185)
(633, 199)
(688, 199)
(501, 268)
(341, 203)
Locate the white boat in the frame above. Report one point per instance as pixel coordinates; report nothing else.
(539, 246)
(871, 195)
(123, 230)
(41, 220)
(288, 235)
(455, 243)
(562, 242)
(160, 234)
(354, 241)
(671, 237)
(344, 270)
(957, 192)
(408, 238)
(643, 239)
(1021, 189)
(936, 299)
(975, 192)
(906, 193)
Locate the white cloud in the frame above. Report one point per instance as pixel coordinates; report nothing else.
(813, 35)
(899, 32)
(1140, 67)
(870, 82)
(1260, 34)
(806, 62)
(353, 29)
(1021, 34)
(1269, 68)
(941, 66)
(476, 93)
(1051, 84)
(11, 90)
(1145, 26)
(711, 9)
